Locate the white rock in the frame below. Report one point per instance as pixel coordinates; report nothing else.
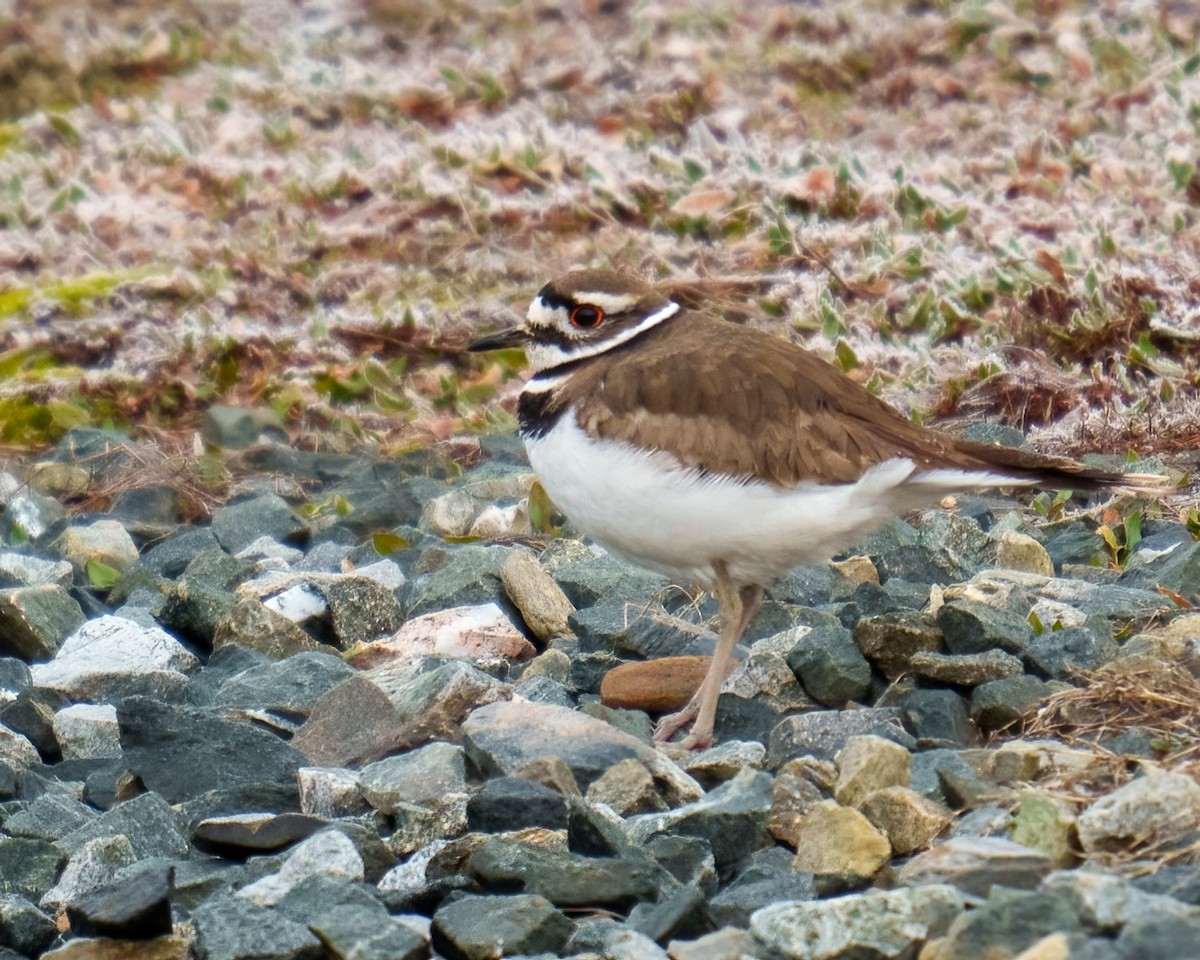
(33, 571)
(497, 521)
(16, 749)
(266, 548)
(298, 603)
(108, 655)
(87, 731)
(328, 853)
(329, 792)
(386, 573)
(1156, 808)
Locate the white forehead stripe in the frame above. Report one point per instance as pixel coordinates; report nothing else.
(543, 356)
(608, 302)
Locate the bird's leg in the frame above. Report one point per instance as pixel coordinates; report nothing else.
(737, 608)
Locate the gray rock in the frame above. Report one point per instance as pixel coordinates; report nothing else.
(353, 723)
(433, 705)
(23, 927)
(972, 626)
(1002, 703)
(424, 776)
(681, 913)
(29, 516)
(35, 620)
(234, 928)
(135, 906)
(938, 718)
(352, 931)
(87, 730)
(246, 833)
(767, 878)
(541, 689)
(829, 665)
(879, 923)
(605, 937)
(235, 428)
(152, 827)
(15, 748)
(28, 867)
(102, 541)
(90, 868)
(110, 657)
(480, 928)
(588, 575)
(182, 752)
(239, 524)
(822, 733)
(455, 576)
(1076, 543)
(966, 669)
(892, 640)
(289, 687)
(171, 557)
(649, 633)
(977, 864)
(956, 543)
(194, 608)
(1056, 653)
(23, 570)
(511, 803)
(328, 853)
(330, 793)
(50, 816)
(360, 608)
(1157, 805)
(250, 624)
(15, 677)
(732, 818)
(1008, 924)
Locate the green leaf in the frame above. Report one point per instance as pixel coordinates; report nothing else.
(846, 357)
(101, 575)
(386, 543)
(541, 510)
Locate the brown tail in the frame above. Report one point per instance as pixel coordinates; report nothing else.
(1058, 473)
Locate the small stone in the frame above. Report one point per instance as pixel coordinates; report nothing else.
(832, 840)
(869, 763)
(241, 834)
(481, 928)
(35, 620)
(235, 928)
(149, 823)
(828, 664)
(908, 820)
(1019, 551)
(1157, 810)
(237, 525)
(134, 906)
(725, 761)
(891, 640)
(251, 624)
(102, 948)
(627, 788)
(552, 772)
(974, 626)
(23, 927)
(767, 878)
(878, 923)
(857, 569)
(22, 570)
(28, 867)
(656, 686)
(976, 864)
(426, 776)
(104, 541)
(479, 632)
(16, 749)
(328, 853)
(1002, 703)
(92, 867)
(724, 944)
(939, 718)
(87, 730)
(822, 733)
(330, 792)
(966, 669)
(1046, 823)
(1060, 653)
(543, 605)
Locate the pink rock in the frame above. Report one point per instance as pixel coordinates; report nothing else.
(478, 632)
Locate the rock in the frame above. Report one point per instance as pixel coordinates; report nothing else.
(237, 525)
(182, 752)
(1003, 703)
(1046, 823)
(250, 624)
(23, 927)
(288, 687)
(28, 867)
(627, 788)
(102, 948)
(235, 428)
(29, 517)
(451, 577)
(973, 626)
(36, 620)
(891, 641)
(49, 816)
(86, 730)
(235, 928)
(828, 664)
(656, 686)
(1157, 809)
(1059, 653)
(1008, 924)
(109, 657)
(908, 820)
(349, 932)
(22, 570)
(329, 793)
(1019, 551)
(732, 818)
(543, 606)
(16, 749)
(433, 705)
(328, 853)
(588, 575)
(966, 669)
(426, 776)
(92, 867)
(503, 737)
(724, 944)
(766, 878)
(361, 610)
(604, 937)
(152, 827)
(103, 541)
(939, 718)
(725, 761)
(832, 840)
(822, 733)
(878, 923)
(1149, 937)
(244, 833)
(480, 928)
(510, 803)
(194, 607)
(681, 913)
(353, 723)
(869, 763)
(135, 906)
(976, 864)
(479, 632)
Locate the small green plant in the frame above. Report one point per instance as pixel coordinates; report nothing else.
(1122, 541)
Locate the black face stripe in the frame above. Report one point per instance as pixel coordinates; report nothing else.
(552, 298)
(537, 413)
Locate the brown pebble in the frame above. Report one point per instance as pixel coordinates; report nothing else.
(656, 686)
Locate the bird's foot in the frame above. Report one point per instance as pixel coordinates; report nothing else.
(671, 724)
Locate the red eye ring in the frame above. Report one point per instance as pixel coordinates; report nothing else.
(585, 316)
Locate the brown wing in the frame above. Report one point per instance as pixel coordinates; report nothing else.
(753, 405)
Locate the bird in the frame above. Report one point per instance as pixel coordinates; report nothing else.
(721, 455)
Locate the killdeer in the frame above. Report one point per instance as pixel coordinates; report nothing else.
(724, 456)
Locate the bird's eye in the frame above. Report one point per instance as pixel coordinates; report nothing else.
(586, 317)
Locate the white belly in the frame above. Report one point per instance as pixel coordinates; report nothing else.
(679, 522)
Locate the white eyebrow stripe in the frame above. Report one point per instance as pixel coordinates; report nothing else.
(544, 356)
(608, 302)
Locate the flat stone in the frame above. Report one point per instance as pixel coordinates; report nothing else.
(976, 864)
(724, 944)
(966, 669)
(36, 620)
(450, 577)
(878, 923)
(1059, 653)
(1046, 823)
(478, 632)
(24, 570)
(134, 906)
(481, 928)
(28, 867)
(183, 752)
(543, 605)
(869, 763)
(243, 833)
(352, 723)
(908, 820)
(235, 928)
(111, 657)
(939, 718)
(724, 761)
(627, 788)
